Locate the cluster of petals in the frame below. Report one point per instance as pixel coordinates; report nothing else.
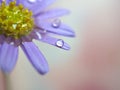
(47, 25)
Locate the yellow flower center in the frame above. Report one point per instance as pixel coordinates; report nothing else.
(15, 20)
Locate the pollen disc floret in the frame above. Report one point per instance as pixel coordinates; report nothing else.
(15, 20)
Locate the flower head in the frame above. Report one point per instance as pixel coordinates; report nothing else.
(21, 21)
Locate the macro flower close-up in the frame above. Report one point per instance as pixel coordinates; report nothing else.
(21, 21)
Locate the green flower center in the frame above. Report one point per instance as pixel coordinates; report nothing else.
(15, 20)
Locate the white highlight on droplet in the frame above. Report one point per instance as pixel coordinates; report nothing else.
(60, 43)
(56, 23)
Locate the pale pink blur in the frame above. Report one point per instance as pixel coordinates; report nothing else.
(96, 64)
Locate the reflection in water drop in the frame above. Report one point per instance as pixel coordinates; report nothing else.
(60, 43)
(56, 23)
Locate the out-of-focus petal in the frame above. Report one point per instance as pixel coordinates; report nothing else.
(2, 38)
(54, 41)
(8, 1)
(18, 2)
(36, 6)
(52, 14)
(36, 57)
(0, 46)
(8, 57)
(0, 1)
(60, 30)
(40, 7)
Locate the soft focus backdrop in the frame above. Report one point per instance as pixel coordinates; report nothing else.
(94, 52)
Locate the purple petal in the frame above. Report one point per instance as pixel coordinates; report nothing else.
(54, 41)
(8, 39)
(18, 2)
(36, 6)
(8, 57)
(2, 38)
(53, 14)
(17, 42)
(8, 1)
(41, 6)
(0, 1)
(60, 30)
(27, 38)
(35, 56)
(0, 46)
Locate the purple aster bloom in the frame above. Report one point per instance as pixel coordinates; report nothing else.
(21, 21)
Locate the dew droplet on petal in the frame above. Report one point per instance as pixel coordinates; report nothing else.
(32, 1)
(60, 43)
(56, 23)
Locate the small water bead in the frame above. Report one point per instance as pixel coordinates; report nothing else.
(56, 23)
(60, 43)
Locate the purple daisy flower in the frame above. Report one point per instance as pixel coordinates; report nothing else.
(21, 21)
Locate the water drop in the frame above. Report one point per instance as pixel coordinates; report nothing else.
(60, 43)
(56, 23)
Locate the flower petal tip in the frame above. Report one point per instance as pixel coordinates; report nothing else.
(35, 57)
(43, 71)
(72, 34)
(66, 46)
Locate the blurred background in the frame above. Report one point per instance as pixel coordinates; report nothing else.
(93, 58)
